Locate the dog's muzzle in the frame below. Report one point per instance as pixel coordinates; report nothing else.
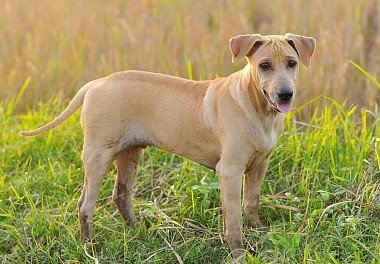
(284, 104)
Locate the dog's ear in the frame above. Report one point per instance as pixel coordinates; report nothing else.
(304, 47)
(244, 45)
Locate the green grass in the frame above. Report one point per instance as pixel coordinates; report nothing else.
(320, 197)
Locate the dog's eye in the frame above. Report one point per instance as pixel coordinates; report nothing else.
(264, 66)
(292, 63)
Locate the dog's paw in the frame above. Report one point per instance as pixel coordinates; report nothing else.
(255, 223)
(238, 256)
(131, 222)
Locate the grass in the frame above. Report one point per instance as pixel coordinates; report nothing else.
(320, 197)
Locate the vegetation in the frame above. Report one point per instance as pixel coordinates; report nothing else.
(321, 195)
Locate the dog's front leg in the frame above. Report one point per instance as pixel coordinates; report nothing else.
(251, 195)
(230, 177)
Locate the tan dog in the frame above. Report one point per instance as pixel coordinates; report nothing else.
(229, 124)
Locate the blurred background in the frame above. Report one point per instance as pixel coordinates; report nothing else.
(57, 46)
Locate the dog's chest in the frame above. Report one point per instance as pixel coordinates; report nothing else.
(266, 143)
(263, 144)
(265, 136)
(269, 141)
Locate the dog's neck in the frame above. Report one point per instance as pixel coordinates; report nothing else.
(252, 101)
(258, 99)
(248, 94)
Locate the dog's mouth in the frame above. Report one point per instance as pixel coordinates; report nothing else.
(279, 107)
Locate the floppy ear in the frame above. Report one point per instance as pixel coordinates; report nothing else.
(304, 47)
(244, 45)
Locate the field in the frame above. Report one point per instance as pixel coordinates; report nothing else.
(321, 195)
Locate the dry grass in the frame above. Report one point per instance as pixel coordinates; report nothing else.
(63, 44)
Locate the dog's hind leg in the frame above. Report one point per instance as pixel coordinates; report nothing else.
(126, 162)
(96, 162)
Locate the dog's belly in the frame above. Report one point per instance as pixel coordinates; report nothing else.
(201, 152)
(195, 145)
(198, 154)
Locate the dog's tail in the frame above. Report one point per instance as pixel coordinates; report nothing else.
(75, 103)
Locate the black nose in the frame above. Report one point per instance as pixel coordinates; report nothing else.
(285, 94)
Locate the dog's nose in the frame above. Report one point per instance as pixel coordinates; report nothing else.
(285, 94)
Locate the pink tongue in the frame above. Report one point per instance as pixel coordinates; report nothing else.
(283, 108)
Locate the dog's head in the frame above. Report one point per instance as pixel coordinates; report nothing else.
(274, 63)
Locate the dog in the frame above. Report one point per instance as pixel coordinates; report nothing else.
(229, 124)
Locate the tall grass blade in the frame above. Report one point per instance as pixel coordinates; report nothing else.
(367, 74)
(12, 104)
